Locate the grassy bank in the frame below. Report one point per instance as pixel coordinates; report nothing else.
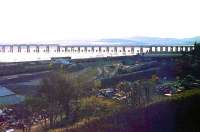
(179, 113)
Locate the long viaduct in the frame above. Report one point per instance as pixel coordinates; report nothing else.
(35, 52)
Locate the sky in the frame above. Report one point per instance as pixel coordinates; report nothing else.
(50, 20)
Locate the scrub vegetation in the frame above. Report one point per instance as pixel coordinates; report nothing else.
(147, 94)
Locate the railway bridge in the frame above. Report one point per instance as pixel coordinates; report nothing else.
(38, 52)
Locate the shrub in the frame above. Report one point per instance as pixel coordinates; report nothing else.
(95, 107)
(187, 81)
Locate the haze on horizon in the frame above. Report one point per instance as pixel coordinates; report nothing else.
(24, 21)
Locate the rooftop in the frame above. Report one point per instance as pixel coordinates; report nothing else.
(5, 92)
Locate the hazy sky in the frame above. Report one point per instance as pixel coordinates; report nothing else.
(38, 20)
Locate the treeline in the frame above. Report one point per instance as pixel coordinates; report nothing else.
(66, 98)
(144, 74)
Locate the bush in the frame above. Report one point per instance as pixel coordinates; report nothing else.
(95, 107)
(187, 81)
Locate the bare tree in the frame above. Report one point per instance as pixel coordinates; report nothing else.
(58, 90)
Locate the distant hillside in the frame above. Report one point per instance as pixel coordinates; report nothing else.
(152, 41)
(124, 41)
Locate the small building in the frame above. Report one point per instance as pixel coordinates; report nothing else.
(8, 97)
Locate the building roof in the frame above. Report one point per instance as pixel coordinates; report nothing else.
(5, 92)
(8, 97)
(11, 99)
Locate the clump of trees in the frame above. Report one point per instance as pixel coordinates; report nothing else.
(58, 90)
(66, 98)
(55, 95)
(189, 63)
(138, 92)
